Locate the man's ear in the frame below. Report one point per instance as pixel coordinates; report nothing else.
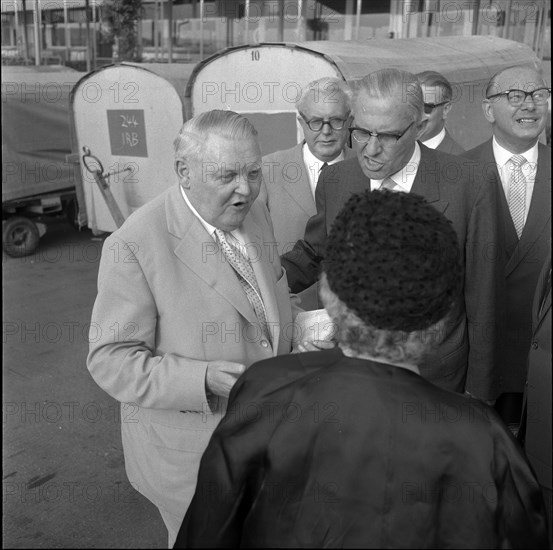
(447, 108)
(487, 107)
(181, 168)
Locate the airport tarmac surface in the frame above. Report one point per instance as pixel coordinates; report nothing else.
(64, 481)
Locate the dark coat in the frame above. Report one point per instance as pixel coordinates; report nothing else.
(454, 187)
(449, 145)
(322, 451)
(537, 412)
(523, 260)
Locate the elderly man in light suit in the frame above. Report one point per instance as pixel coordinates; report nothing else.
(290, 176)
(173, 280)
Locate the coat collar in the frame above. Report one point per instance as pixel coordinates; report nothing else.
(196, 249)
(427, 179)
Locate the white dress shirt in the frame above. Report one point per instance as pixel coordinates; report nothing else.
(238, 235)
(405, 177)
(505, 169)
(433, 143)
(314, 165)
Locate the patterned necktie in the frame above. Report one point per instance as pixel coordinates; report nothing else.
(517, 193)
(244, 270)
(388, 183)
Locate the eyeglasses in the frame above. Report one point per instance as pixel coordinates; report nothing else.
(363, 136)
(429, 107)
(518, 97)
(316, 124)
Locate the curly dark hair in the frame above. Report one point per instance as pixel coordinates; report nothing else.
(393, 260)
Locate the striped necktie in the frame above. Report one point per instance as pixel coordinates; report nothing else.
(246, 276)
(389, 183)
(517, 193)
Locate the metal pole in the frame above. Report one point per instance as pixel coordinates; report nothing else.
(300, 34)
(66, 32)
(25, 39)
(94, 29)
(36, 9)
(201, 29)
(170, 22)
(87, 26)
(358, 19)
(247, 21)
(156, 30)
(281, 21)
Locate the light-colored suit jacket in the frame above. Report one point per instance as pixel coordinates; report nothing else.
(168, 303)
(286, 192)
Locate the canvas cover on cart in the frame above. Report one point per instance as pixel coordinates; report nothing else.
(127, 118)
(263, 81)
(36, 135)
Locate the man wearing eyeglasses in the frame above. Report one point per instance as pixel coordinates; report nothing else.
(516, 106)
(437, 94)
(387, 108)
(290, 177)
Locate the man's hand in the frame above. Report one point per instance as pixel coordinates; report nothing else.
(314, 345)
(221, 376)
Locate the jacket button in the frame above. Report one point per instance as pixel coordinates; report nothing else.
(534, 345)
(264, 343)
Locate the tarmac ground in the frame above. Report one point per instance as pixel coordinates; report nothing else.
(64, 482)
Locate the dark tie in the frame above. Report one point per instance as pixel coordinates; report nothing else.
(244, 270)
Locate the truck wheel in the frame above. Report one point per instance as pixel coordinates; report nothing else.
(20, 236)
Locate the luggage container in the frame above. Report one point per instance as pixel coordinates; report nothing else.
(263, 81)
(126, 118)
(38, 179)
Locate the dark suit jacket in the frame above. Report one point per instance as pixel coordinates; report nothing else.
(318, 450)
(454, 188)
(449, 145)
(537, 410)
(523, 261)
(286, 192)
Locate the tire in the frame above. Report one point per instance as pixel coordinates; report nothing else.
(72, 213)
(20, 236)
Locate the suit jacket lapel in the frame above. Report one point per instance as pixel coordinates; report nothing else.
(539, 212)
(197, 250)
(427, 182)
(299, 189)
(264, 273)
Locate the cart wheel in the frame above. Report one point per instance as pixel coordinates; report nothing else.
(20, 236)
(72, 212)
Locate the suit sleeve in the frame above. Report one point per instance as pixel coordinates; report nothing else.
(231, 473)
(484, 281)
(302, 263)
(521, 520)
(122, 338)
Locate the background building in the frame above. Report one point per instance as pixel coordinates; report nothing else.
(74, 32)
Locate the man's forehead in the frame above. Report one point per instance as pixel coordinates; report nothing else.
(365, 105)
(326, 105)
(519, 79)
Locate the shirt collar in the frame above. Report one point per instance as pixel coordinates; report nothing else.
(502, 155)
(236, 233)
(432, 143)
(405, 177)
